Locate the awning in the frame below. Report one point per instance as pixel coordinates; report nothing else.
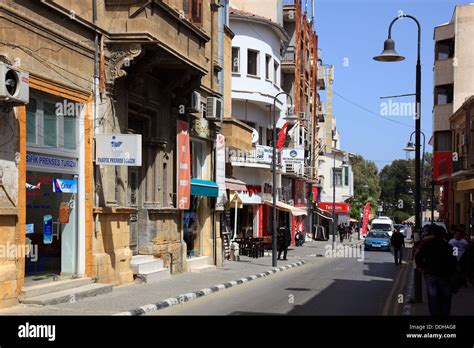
(235, 185)
(247, 199)
(323, 214)
(204, 188)
(288, 208)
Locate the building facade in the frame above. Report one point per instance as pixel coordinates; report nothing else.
(453, 68)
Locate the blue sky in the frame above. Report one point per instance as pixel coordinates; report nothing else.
(353, 31)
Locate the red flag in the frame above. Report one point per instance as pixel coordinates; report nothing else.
(282, 136)
(366, 218)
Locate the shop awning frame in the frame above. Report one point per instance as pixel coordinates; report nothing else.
(204, 188)
(295, 211)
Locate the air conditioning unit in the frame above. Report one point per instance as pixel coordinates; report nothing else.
(214, 109)
(14, 85)
(195, 102)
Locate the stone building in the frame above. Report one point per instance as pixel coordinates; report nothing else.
(108, 69)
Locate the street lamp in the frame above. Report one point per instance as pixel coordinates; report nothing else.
(390, 55)
(290, 117)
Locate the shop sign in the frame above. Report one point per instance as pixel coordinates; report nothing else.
(264, 153)
(200, 127)
(47, 229)
(184, 165)
(118, 149)
(64, 212)
(339, 207)
(295, 156)
(64, 186)
(220, 172)
(29, 228)
(50, 162)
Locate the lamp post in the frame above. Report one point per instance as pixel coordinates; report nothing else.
(291, 117)
(390, 55)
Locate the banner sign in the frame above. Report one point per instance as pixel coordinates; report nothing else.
(184, 165)
(365, 222)
(118, 149)
(64, 186)
(329, 121)
(42, 161)
(47, 229)
(295, 156)
(220, 172)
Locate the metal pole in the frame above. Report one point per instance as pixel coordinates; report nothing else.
(334, 198)
(274, 225)
(432, 199)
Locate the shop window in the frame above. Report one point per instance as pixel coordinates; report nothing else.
(31, 122)
(235, 60)
(252, 62)
(50, 125)
(346, 176)
(193, 10)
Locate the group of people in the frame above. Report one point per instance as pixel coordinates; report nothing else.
(345, 231)
(446, 258)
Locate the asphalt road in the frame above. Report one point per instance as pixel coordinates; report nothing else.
(336, 286)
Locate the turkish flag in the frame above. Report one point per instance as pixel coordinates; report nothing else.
(282, 136)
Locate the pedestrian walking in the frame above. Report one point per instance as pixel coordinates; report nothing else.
(284, 241)
(460, 245)
(398, 243)
(436, 260)
(341, 232)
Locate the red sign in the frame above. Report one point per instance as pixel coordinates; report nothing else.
(365, 222)
(184, 166)
(315, 194)
(442, 163)
(339, 207)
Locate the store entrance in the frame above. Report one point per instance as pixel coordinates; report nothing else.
(51, 226)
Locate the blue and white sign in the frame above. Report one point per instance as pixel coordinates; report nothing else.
(118, 149)
(64, 186)
(295, 156)
(50, 162)
(29, 228)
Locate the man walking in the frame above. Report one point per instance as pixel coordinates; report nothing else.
(284, 240)
(398, 243)
(436, 260)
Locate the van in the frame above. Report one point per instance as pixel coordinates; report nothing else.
(384, 224)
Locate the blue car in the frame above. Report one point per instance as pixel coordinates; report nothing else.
(377, 240)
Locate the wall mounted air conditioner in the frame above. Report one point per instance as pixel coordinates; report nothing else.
(195, 102)
(214, 109)
(14, 85)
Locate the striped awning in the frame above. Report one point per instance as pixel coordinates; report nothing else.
(235, 185)
(288, 208)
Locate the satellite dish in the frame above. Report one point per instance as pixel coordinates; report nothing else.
(254, 136)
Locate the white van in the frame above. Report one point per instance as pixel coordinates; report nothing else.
(384, 224)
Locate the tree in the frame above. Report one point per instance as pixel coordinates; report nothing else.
(366, 185)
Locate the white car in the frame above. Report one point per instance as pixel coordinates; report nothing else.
(382, 224)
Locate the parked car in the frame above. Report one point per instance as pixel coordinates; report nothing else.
(377, 240)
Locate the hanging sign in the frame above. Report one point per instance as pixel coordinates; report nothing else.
(64, 211)
(220, 172)
(184, 166)
(47, 229)
(118, 149)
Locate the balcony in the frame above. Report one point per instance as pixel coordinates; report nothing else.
(259, 157)
(294, 169)
(321, 78)
(288, 61)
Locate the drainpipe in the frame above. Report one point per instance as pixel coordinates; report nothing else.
(95, 84)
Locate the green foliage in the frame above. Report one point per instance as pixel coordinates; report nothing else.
(365, 174)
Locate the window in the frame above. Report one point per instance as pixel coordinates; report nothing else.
(443, 94)
(337, 176)
(268, 60)
(275, 72)
(31, 122)
(252, 62)
(346, 176)
(52, 122)
(197, 158)
(235, 60)
(193, 10)
(444, 49)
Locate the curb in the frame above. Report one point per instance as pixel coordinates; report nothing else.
(182, 298)
(407, 308)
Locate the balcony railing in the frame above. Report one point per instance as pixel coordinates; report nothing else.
(289, 57)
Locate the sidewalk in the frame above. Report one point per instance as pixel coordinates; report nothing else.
(130, 296)
(462, 303)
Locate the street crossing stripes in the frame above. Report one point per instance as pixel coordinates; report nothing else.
(153, 307)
